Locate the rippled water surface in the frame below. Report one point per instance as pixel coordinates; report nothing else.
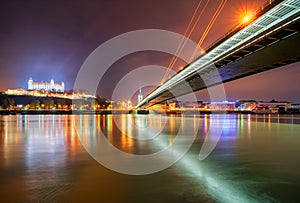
(42, 159)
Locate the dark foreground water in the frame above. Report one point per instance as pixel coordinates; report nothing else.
(257, 159)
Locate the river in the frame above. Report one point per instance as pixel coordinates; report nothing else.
(44, 158)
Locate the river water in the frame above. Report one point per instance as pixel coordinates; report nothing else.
(44, 158)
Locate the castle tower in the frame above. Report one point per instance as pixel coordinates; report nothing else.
(30, 84)
(140, 96)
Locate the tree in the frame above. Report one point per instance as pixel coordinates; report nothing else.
(8, 103)
(61, 103)
(5, 104)
(104, 103)
(49, 103)
(35, 104)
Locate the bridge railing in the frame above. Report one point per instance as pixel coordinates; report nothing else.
(265, 7)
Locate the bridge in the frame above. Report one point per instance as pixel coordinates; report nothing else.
(271, 40)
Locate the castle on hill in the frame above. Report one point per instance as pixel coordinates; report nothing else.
(46, 86)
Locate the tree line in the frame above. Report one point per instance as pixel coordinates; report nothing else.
(10, 102)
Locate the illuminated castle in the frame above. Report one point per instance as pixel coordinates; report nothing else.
(46, 86)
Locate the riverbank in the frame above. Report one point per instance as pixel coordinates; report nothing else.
(59, 112)
(87, 112)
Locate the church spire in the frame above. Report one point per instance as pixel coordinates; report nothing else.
(140, 96)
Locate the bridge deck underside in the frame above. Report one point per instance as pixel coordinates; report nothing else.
(276, 50)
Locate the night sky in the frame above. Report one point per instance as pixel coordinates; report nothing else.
(51, 39)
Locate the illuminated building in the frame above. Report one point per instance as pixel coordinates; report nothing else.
(37, 93)
(46, 86)
(16, 92)
(295, 106)
(222, 106)
(276, 105)
(246, 105)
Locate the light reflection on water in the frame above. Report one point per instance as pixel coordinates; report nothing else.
(256, 160)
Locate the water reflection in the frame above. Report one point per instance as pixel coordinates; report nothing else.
(256, 155)
(42, 146)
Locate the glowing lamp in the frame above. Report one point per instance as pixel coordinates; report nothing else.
(247, 18)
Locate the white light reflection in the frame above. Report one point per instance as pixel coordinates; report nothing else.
(217, 186)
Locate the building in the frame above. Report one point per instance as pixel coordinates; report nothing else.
(46, 86)
(295, 107)
(16, 92)
(246, 105)
(281, 106)
(222, 106)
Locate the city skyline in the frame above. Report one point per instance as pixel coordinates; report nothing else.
(150, 101)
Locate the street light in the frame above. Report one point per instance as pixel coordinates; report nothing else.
(247, 17)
